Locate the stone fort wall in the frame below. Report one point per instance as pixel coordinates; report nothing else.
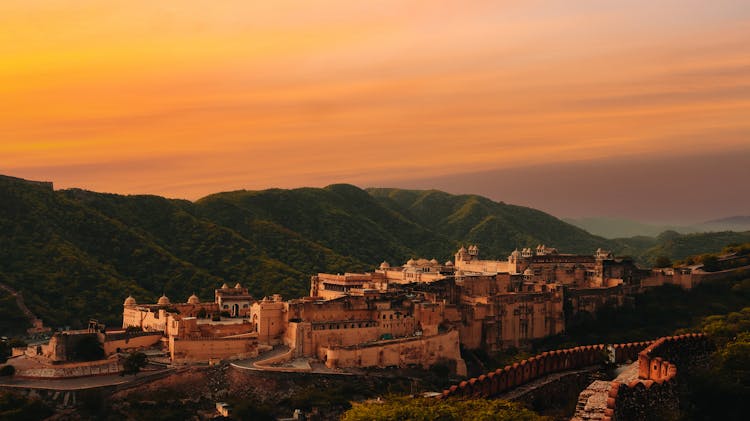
(654, 393)
(203, 349)
(422, 351)
(94, 368)
(130, 341)
(504, 379)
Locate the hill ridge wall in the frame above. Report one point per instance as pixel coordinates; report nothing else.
(655, 390)
(525, 371)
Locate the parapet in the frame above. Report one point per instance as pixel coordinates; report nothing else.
(538, 366)
(657, 375)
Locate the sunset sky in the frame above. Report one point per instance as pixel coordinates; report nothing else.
(185, 98)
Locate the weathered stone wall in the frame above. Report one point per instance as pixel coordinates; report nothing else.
(95, 368)
(654, 393)
(423, 351)
(140, 340)
(62, 345)
(204, 349)
(555, 392)
(546, 363)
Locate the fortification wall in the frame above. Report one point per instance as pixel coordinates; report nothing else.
(62, 346)
(423, 351)
(226, 329)
(94, 368)
(654, 393)
(504, 379)
(185, 350)
(126, 343)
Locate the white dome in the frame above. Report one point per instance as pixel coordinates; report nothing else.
(434, 262)
(163, 301)
(225, 286)
(385, 265)
(193, 299)
(448, 263)
(410, 262)
(237, 286)
(130, 301)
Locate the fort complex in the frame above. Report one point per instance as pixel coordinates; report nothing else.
(419, 313)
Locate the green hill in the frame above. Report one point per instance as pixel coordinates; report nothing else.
(76, 254)
(679, 246)
(497, 228)
(341, 218)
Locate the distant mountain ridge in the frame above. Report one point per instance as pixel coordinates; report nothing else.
(739, 219)
(619, 228)
(76, 254)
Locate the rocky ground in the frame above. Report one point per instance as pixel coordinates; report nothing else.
(192, 394)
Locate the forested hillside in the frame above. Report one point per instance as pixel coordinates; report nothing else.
(76, 254)
(497, 227)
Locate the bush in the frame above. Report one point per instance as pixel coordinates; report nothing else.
(662, 262)
(134, 363)
(7, 370)
(710, 263)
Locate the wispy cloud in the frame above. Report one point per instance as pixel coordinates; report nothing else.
(185, 98)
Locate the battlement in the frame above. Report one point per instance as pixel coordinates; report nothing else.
(509, 377)
(655, 388)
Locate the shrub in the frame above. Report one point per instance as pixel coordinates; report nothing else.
(7, 370)
(134, 362)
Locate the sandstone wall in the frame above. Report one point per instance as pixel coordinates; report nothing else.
(654, 393)
(504, 379)
(422, 351)
(126, 343)
(94, 368)
(203, 349)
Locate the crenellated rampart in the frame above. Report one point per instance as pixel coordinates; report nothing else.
(654, 392)
(541, 365)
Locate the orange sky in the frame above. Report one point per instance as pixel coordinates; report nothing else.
(184, 98)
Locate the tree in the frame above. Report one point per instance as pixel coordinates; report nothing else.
(134, 362)
(662, 262)
(7, 370)
(710, 263)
